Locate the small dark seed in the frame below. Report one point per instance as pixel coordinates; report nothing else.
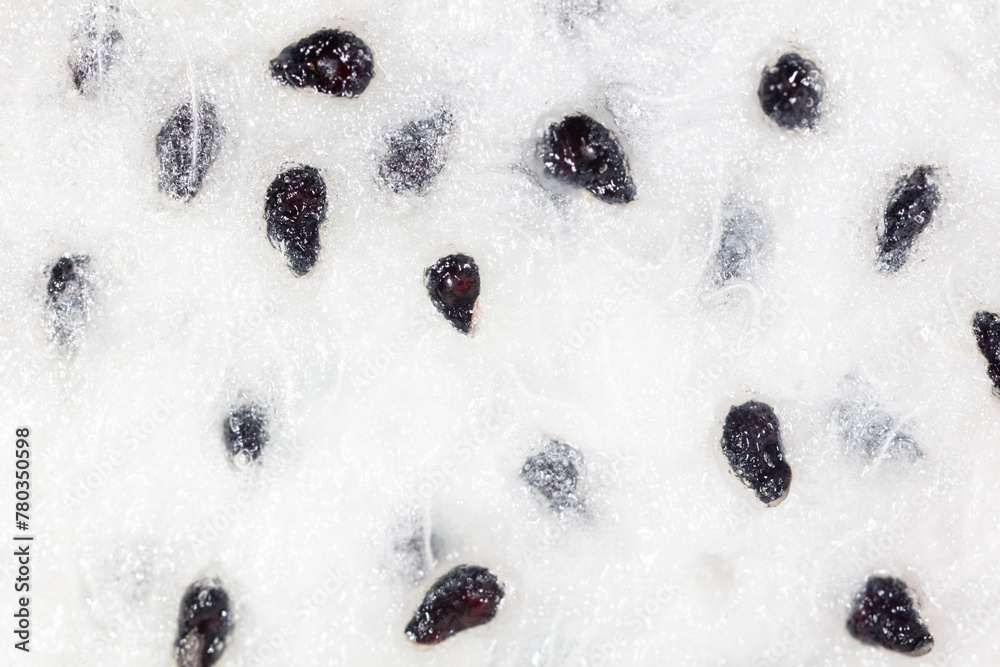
(553, 474)
(909, 209)
(69, 297)
(245, 431)
(96, 49)
(204, 624)
(791, 92)
(465, 597)
(331, 61)
(582, 153)
(294, 208)
(741, 243)
(883, 614)
(986, 327)
(415, 154)
(751, 441)
(453, 285)
(186, 147)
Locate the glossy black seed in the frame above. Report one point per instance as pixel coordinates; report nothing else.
(204, 624)
(96, 47)
(415, 154)
(580, 152)
(986, 327)
(908, 210)
(751, 441)
(331, 61)
(869, 430)
(186, 147)
(791, 92)
(741, 243)
(245, 431)
(453, 285)
(465, 597)
(883, 614)
(553, 474)
(69, 297)
(294, 208)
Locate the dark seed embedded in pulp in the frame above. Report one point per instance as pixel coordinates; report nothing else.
(751, 441)
(96, 47)
(791, 92)
(204, 625)
(883, 614)
(187, 145)
(740, 244)
(331, 61)
(909, 209)
(465, 597)
(580, 152)
(415, 154)
(245, 431)
(453, 285)
(553, 474)
(69, 293)
(986, 327)
(294, 207)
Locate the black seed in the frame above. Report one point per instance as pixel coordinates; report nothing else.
(69, 297)
(453, 285)
(96, 48)
(580, 152)
(186, 147)
(791, 92)
(986, 327)
(908, 210)
(245, 431)
(464, 598)
(751, 441)
(742, 241)
(294, 208)
(883, 614)
(871, 431)
(204, 625)
(553, 474)
(331, 61)
(415, 154)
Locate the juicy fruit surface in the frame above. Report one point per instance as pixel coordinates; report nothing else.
(594, 327)
(791, 92)
(333, 62)
(294, 207)
(909, 209)
(580, 152)
(465, 597)
(883, 614)
(415, 154)
(751, 441)
(186, 146)
(553, 474)
(204, 624)
(453, 285)
(986, 327)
